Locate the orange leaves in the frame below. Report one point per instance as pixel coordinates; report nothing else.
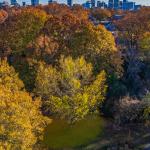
(3, 16)
(101, 14)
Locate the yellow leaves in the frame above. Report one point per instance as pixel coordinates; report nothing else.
(70, 90)
(9, 78)
(20, 120)
(145, 42)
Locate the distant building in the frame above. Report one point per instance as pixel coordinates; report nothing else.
(128, 5)
(52, 1)
(116, 4)
(70, 2)
(13, 2)
(101, 4)
(122, 4)
(34, 2)
(93, 3)
(136, 7)
(23, 3)
(111, 4)
(4, 4)
(87, 4)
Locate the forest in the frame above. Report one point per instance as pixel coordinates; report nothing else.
(68, 83)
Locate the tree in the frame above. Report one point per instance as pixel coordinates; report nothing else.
(128, 110)
(146, 106)
(80, 12)
(9, 78)
(70, 90)
(97, 45)
(21, 28)
(3, 16)
(101, 14)
(21, 122)
(132, 28)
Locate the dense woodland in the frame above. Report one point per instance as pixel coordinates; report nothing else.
(55, 63)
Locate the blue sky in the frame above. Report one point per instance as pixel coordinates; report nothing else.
(143, 2)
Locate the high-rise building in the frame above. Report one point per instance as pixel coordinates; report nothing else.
(128, 5)
(116, 4)
(87, 4)
(23, 3)
(101, 4)
(93, 3)
(13, 2)
(70, 2)
(34, 2)
(111, 4)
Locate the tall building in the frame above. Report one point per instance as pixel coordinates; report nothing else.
(101, 4)
(34, 2)
(23, 3)
(87, 4)
(50, 1)
(128, 5)
(93, 3)
(70, 2)
(13, 2)
(116, 4)
(111, 4)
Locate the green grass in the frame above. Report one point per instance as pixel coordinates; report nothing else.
(59, 134)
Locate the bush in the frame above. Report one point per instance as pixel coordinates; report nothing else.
(129, 110)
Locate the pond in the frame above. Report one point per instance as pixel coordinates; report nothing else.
(59, 134)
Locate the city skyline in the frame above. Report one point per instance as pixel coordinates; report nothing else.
(142, 2)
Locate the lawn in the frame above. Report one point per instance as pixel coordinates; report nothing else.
(59, 134)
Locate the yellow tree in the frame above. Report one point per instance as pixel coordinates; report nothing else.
(9, 78)
(21, 121)
(98, 46)
(70, 90)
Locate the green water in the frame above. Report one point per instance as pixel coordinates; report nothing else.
(59, 134)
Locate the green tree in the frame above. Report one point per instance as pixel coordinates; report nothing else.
(70, 90)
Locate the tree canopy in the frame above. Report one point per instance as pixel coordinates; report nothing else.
(70, 90)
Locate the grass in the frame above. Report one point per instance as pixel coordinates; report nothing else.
(59, 134)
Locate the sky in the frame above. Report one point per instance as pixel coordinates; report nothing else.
(143, 2)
